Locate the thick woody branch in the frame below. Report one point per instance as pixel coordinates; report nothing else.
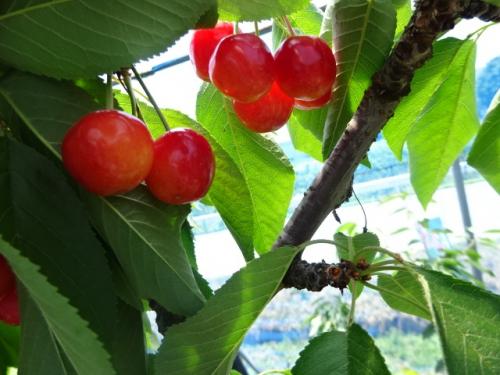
(332, 185)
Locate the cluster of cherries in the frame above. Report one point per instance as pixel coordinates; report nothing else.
(264, 89)
(9, 303)
(111, 152)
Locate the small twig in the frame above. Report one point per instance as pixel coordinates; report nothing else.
(151, 99)
(109, 91)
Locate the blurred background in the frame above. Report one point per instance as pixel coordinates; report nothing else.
(436, 236)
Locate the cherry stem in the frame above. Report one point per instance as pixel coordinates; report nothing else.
(350, 319)
(328, 242)
(288, 25)
(151, 99)
(256, 26)
(236, 28)
(109, 91)
(130, 90)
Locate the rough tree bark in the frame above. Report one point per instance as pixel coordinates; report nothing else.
(331, 186)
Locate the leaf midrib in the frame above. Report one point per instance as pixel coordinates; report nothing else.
(32, 8)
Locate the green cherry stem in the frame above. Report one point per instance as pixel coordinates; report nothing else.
(350, 319)
(109, 91)
(256, 26)
(288, 25)
(328, 242)
(151, 99)
(130, 90)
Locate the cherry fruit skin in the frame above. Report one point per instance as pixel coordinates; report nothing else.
(108, 152)
(183, 167)
(267, 114)
(307, 105)
(242, 67)
(7, 278)
(203, 46)
(305, 67)
(9, 308)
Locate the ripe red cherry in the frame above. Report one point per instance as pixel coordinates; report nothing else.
(183, 167)
(305, 67)
(203, 45)
(269, 113)
(242, 67)
(108, 152)
(7, 279)
(9, 308)
(306, 105)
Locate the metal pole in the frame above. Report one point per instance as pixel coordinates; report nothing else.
(464, 210)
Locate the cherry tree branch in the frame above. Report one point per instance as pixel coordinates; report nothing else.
(390, 84)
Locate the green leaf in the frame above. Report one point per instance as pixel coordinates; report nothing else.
(143, 233)
(74, 39)
(337, 353)
(450, 119)
(485, 152)
(207, 342)
(256, 10)
(468, 323)
(267, 174)
(306, 21)
(494, 2)
(228, 193)
(402, 291)
(349, 249)
(9, 346)
(303, 139)
(403, 15)
(363, 32)
(80, 344)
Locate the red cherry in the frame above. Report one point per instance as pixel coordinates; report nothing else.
(203, 45)
(242, 67)
(9, 308)
(269, 113)
(305, 67)
(108, 152)
(7, 278)
(306, 105)
(183, 167)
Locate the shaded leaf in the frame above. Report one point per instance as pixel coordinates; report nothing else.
(9, 346)
(143, 232)
(485, 152)
(72, 332)
(207, 342)
(74, 39)
(363, 34)
(256, 10)
(467, 321)
(402, 291)
(267, 173)
(337, 353)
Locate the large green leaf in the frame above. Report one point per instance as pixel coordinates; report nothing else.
(450, 119)
(207, 342)
(338, 353)
(144, 233)
(349, 249)
(82, 38)
(485, 152)
(468, 321)
(425, 83)
(363, 32)
(80, 344)
(256, 10)
(229, 192)
(267, 173)
(402, 291)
